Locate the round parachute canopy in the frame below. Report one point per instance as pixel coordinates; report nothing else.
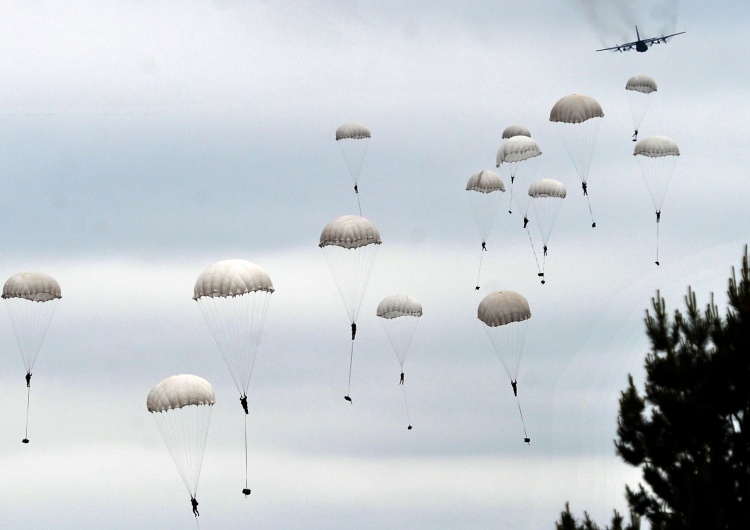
(399, 305)
(656, 146)
(31, 299)
(34, 286)
(181, 406)
(350, 244)
(485, 181)
(515, 130)
(546, 199)
(517, 149)
(234, 296)
(547, 188)
(484, 201)
(503, 307)
(641, 83)
(505, 315)
(400, 314)
(232, 277)
(353, 139)
(575, 108)
(180, 391)
(657, 156)
(350, 232)
(352, 131)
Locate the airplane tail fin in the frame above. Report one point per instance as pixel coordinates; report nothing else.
(638, 35)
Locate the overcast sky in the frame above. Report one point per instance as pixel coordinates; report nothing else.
(142, 141)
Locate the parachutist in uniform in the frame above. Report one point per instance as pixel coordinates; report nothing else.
(484, 246)
(356, 189)
(401, 382)
(195, 506)
(658, 216)
(585, 188)
(354, 330)
(243, 400)
(514, 384)
(28, 380)
(545, 250)
(635, 135)
(525, 221)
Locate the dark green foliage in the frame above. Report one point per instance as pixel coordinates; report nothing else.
(687, 430)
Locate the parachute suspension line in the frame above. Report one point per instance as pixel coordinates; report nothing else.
(523, 423)
(510, 202)
(591, 213)
(481, 257)
(28, 399)
(406, 403)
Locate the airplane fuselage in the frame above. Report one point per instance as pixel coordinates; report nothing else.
(641, 46)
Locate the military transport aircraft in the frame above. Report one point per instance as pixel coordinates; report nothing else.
(641, 45)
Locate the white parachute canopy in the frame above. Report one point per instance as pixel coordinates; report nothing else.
(657, 156)
(31, 299)
(641, 90)
(505, 315)
(353, 139)
(578, 117)
(233, 296)
(181, 406)
(350, 244)
(515, 130)
(485, 187)
(518, 156)
(400, 315)
(546, 198)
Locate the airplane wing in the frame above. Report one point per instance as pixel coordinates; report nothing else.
(622, 47)
(659, 40)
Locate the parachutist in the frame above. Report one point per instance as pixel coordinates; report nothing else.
(354, 330)
(545, 250)
(408, 428)
(484, 246)
(243, 400)
(28, 380)
(585, 188)
(657, 263)
(195, 506)
(348, 399)
(527, 440)
(593, 225)
(356, 189)
(514, 384)
(246, 491)
(525, 221)
(635, 135)
(658, 216)
(401, 382)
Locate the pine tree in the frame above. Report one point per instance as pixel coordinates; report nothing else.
(687, 431)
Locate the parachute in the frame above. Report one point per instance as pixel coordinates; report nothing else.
(641, 89)
(350, 244)
(578, 117)
(546, 199)
(181, 406)
(505, 315)
(353, 139)
(657, 156)
(518, 156)
(515, 130)
(400, 315)
(233, 296)
(484, 202)
(31, 299)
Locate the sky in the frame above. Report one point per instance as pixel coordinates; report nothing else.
(140, 142)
